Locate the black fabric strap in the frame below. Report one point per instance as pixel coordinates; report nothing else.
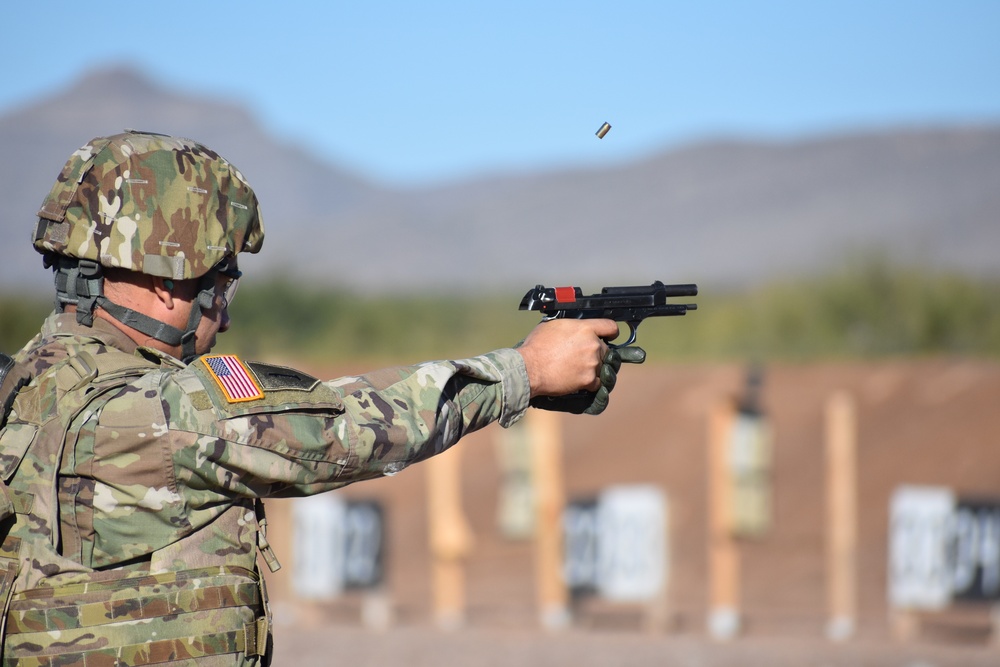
(161, 331)
(81, 283)
(204, 303)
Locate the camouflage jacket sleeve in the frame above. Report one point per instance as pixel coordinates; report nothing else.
(300, 436)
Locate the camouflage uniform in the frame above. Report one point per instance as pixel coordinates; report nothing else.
(130, 504)
(158, 476)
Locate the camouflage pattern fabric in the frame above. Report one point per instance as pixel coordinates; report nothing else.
(139, 620)
(160, 468)
(12, 378)
(150, 203)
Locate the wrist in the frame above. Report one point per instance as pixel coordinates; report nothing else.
(530, 370)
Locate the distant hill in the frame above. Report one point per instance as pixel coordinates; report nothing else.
(717, 213)
(39, 138)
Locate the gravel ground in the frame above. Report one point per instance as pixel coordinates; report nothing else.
(429, 646)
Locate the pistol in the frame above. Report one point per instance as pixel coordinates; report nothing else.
(630, 305)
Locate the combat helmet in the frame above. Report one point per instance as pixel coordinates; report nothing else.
(151, 203)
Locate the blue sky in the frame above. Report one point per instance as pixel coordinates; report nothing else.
(418, 92)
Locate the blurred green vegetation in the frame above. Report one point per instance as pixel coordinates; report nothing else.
(20, 319)
(871, 308)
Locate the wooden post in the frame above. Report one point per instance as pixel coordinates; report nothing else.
(658, 614)
(450, 537)
(546, 442)
(723, 554)
(841, 516)
(287, 608)
(995, 626)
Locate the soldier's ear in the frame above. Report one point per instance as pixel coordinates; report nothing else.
(163, 288)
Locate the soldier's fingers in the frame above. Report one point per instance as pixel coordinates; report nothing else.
(600, 402)
(631, 354)
(609, 376)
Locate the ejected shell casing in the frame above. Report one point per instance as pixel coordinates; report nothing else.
(604, 130)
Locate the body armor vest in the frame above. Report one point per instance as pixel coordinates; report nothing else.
(178, 605)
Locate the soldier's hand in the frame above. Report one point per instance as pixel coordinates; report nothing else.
(594, 403)
(570, 366)
(565, 355)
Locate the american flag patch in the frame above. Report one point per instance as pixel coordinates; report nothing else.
(236, 381)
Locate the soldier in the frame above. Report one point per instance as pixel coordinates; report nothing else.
(135, 461)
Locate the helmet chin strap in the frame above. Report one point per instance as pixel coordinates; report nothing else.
(81, 283)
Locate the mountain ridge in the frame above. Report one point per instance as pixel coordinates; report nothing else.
(720, 212)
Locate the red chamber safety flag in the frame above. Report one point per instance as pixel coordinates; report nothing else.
(565, 294)
(233, 377)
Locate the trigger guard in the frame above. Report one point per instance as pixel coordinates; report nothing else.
(632, 335)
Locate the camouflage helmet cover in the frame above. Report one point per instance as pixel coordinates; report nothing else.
(151, 203)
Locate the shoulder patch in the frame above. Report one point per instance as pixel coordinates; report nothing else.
(280, 378)
(232, 376)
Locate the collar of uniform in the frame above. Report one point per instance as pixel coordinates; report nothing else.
(65, 324)
(160, 357)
